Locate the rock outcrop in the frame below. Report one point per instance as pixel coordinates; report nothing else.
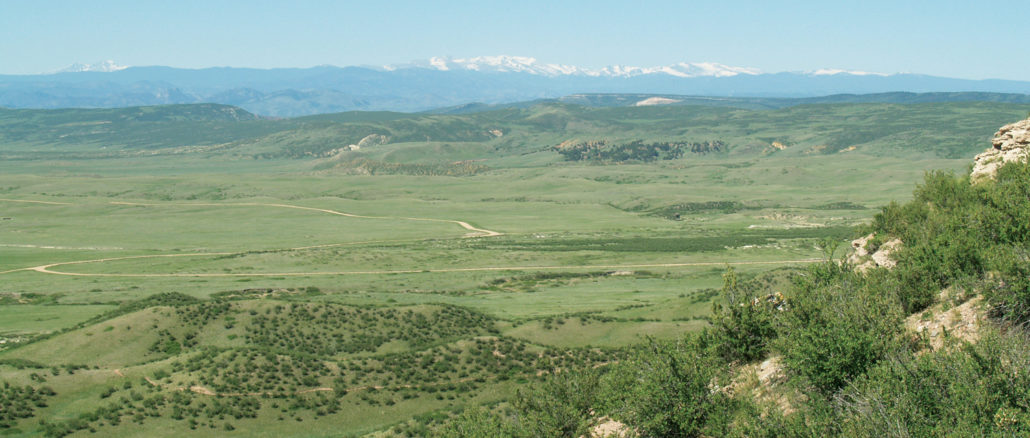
(863, 260)
(373, 140)
(367, 141)
(942, 324)
(882, 256)
(609, 428)
(1011, 143)
(764, 382)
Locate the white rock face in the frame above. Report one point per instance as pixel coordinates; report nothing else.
(858, 245)
(1010, 144)
(373, 140)
(862, 260)
(882, 256)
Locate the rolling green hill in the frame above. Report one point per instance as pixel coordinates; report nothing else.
(946, 130)
(155, 127)
(760, 103)
(194, 270)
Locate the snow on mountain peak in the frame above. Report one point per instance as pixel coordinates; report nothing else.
(530, 65)
(439, 63)
(525, 64)
(104, 66)
(497, 64)
(836, 71)
(681, 70)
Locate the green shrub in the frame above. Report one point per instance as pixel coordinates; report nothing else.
(981, 390)
(1008, 290)
(838, 324)
(1007, 213)
(744, 328)
(561, 406)
(816, 418)
(954, 231)
(479, 423)
(669, 390)
(874, 244)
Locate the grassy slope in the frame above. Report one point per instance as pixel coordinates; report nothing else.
(553, 213)
(419, 359)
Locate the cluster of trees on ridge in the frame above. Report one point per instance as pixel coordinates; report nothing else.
(636, 150)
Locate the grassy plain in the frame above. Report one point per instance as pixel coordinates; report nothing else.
(249, 223)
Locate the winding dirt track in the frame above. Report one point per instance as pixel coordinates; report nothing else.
(474, 232)
(479, 231)
(46, 268)
(27, 201)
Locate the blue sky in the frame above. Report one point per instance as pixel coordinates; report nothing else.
(966, 39)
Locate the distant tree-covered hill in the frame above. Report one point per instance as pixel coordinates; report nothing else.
(672, 132)
(290, 92)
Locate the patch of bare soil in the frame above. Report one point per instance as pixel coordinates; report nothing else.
(202, 390)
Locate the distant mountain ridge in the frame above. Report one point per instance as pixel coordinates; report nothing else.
(525, 64)
(103, 66)
(442, 83)
(606, 100)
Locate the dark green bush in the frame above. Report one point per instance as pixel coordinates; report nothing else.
(954, 231)
(1006, 203)
(1008, 285)
(838, 324)
(477, 422)
(670, 390)
(981, 390)
(561, 406)
(816, 418)
(745, 326)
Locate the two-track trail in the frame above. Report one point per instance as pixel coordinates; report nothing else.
(474, 232)
(478, 232)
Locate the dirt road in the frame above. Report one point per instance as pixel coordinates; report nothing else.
(476, 232)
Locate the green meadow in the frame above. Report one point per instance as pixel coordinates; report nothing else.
(173, 272)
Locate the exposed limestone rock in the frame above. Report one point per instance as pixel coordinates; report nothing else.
(367, 141)
(770, 370)
(862, 260)
(1010, 144)
(858, 245)
(764, 382)
(939, 325)
(373, 140)
(882, 256)
(608, 428)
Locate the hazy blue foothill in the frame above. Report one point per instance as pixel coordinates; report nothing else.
(288, 92)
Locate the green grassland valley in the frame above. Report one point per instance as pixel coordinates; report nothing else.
(540, 269)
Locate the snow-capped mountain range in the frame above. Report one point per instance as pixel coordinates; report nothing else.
(103, 66)
(444, 82)
(530, 65)
(526, 64)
